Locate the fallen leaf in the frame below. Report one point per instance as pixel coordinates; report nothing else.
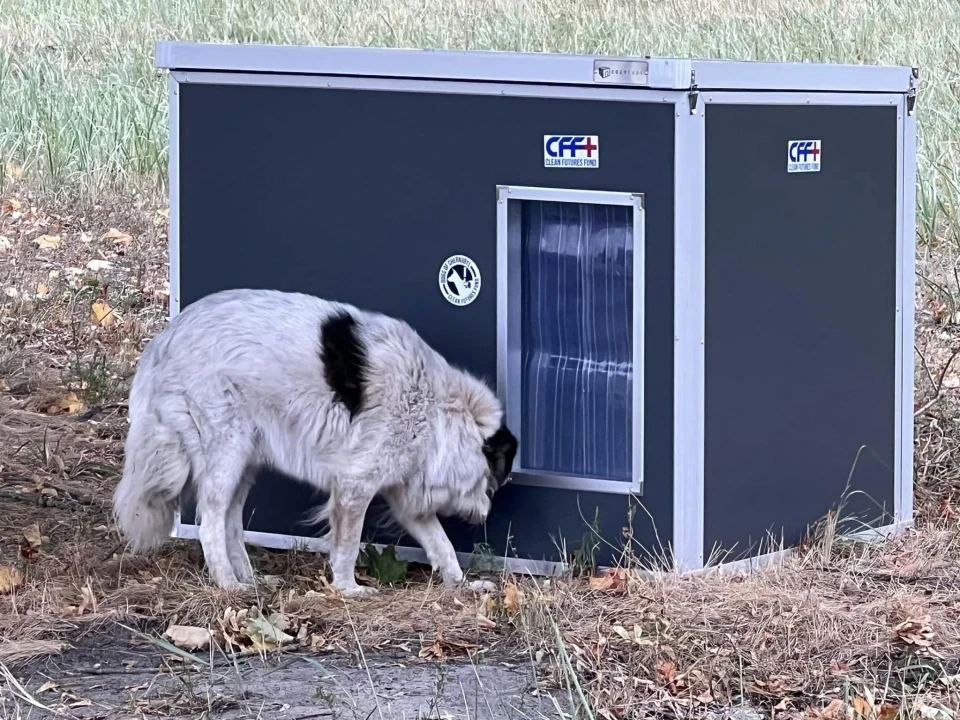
(14, 171)
(946, 510)
(101, 314)
(434, 650)
(441, 649)
(915, 632)
(98, 265)
(512, 597)
(10, 579)
(47, 242)
(188, 637)
(117, 236)
(862, 707)
(69, 404)
(385, 566)
(485, 622)
(87, 600)
(81, 703)
(85, 237)
(11, 292)
(10, 205)
(613, 580)
(47, 687)
(667, 670)
(264, 634)
(49, 492)
(32, 535)
(635, 637)
(929, 712)
(887, 712)
(42, 289)
(5, 243)
(833, 711)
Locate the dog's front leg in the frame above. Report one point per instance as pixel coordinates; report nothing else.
(347, 511)
(429, 533)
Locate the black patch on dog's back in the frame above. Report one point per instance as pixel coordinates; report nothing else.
(500, 450)
(344, 360)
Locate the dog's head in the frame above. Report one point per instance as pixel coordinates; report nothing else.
(479, 449)
(499, 449)
(488, 469)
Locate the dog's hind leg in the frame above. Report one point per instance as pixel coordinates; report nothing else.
(223, 470)
(348, 507)
(236, 548)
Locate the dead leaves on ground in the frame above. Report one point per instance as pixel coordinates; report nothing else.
(102, 314)
(188, 637)
(10, 579)
(249, 631)
(614, 580)
(121, 240)
(917, 635)
(68, 404)
(859, 708)
(442, 650)
(512, 598)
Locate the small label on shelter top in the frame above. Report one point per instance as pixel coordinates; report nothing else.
(621, 72)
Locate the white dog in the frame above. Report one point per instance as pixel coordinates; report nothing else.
(352, 402)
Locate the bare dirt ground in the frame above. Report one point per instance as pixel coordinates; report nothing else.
(108, 674)
(840, 631)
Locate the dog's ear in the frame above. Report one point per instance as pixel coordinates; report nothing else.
(500, 450)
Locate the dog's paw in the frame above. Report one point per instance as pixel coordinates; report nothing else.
(358, 591)
(482, 586)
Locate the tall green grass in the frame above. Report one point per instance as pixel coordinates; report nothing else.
(82, 108)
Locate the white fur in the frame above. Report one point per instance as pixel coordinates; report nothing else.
(235, 382)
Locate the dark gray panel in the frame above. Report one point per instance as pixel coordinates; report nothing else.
(800, 320)
(360, 196)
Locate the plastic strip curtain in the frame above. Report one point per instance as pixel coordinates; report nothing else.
(577, 335)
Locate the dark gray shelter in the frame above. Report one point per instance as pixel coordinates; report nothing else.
(691, 282)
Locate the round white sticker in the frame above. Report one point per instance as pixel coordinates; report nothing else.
(459, 280)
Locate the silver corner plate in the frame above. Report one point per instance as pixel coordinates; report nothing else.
(621, 72)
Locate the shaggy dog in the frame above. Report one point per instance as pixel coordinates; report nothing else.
(352, 402)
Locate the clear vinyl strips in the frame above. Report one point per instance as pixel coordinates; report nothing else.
(577, 338)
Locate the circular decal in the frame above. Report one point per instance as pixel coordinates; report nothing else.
(459, 280)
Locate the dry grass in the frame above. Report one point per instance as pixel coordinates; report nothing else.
(862, 624)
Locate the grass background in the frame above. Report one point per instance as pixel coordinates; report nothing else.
(82, 108)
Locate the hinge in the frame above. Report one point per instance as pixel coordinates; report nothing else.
(912, 91)
(694, 93)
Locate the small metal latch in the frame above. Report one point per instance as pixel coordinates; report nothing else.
(694, 94)
(912, 91)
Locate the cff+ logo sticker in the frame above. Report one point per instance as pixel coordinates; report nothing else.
(459, 280)
(803, 156)
(571, 151)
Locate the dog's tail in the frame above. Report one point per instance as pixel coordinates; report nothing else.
(155, 471)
